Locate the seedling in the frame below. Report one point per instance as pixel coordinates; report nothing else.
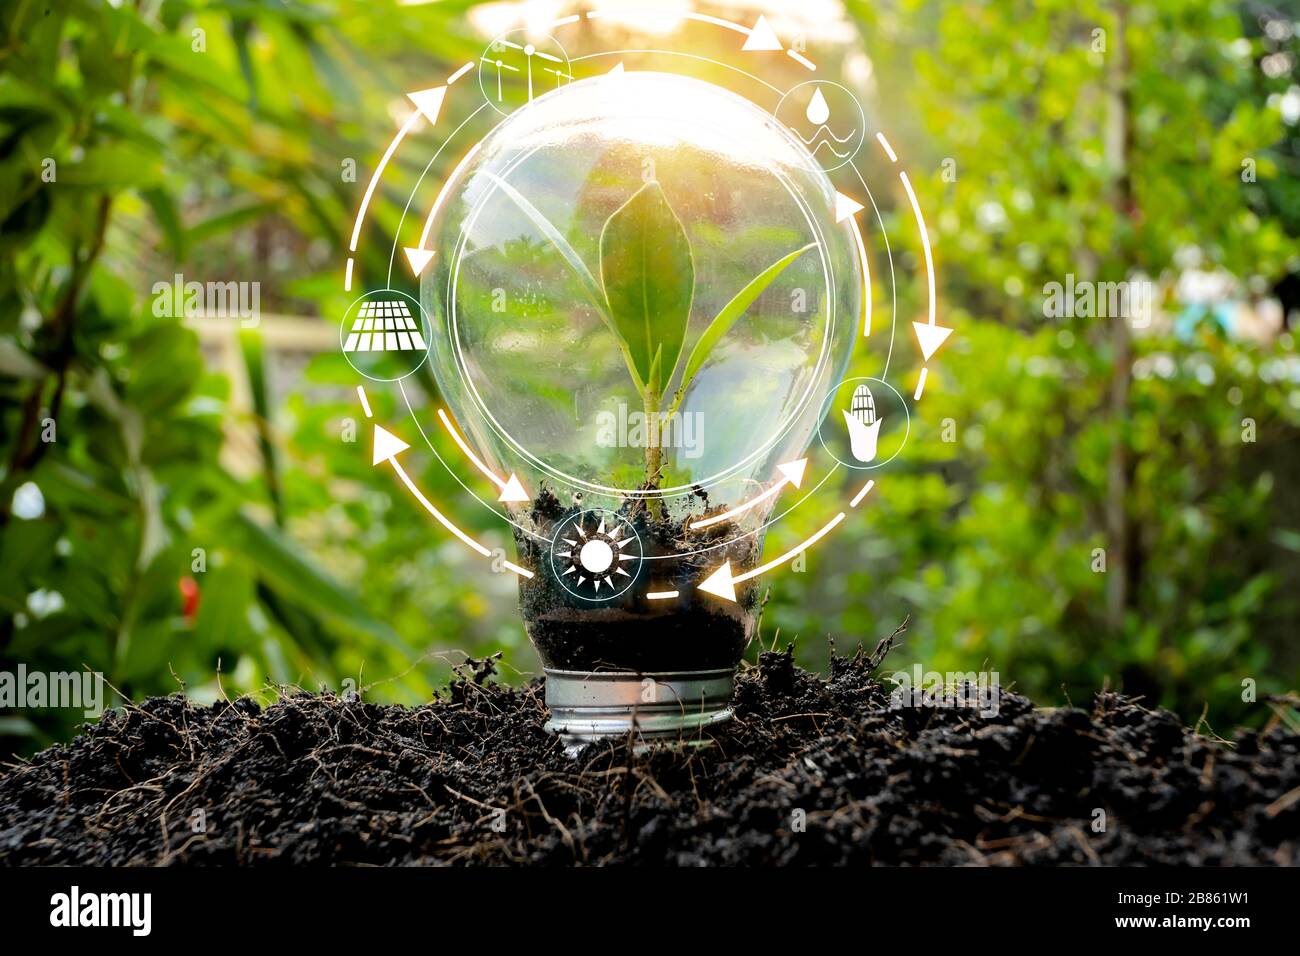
(644, 297)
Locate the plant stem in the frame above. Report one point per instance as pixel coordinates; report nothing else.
(653, 453)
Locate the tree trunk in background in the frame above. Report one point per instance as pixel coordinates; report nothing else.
(1118, 143)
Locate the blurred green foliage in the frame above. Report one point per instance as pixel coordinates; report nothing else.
(991, 545)
(214, 140)
(208, 523)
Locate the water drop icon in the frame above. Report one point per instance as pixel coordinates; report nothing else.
(818, 111)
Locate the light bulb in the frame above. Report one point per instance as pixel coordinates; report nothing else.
(640, 300)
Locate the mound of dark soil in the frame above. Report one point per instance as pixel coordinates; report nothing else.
(811, 771)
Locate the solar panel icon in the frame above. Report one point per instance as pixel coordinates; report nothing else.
(384, 335)
(384, 326)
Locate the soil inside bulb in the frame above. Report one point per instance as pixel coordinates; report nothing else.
(693, 631)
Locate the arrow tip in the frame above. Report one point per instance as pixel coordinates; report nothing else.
(846, 206)
(387, 445)
(793, 471)
(930, 337)
(418, 258)
(719, 583)
(429, 102)
(618, 70)
(513, 491)
(762, 37)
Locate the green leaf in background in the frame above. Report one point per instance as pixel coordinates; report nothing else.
(223, 611)
(553, 235)
(134, 157)
(570, 255)
(296, 578)
(168, 218)
(726, 318)
(120, 165)
(16, 362)
(649, 276)
(253, 349)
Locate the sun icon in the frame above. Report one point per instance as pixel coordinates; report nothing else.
(595, 555)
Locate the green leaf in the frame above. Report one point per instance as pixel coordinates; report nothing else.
(293, 576)
(251, 345)
(240, 29)
(16, 727)
(224, 223)
(16, 362)
(115, 166)
(562, 245)
(589, 286)
(654, 381)
(168, 218)
(726, 318)
(649, 276)
(227, 593)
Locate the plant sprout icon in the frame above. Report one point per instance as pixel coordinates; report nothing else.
(529, 51)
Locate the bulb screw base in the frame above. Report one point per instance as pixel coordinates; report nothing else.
(665, 707)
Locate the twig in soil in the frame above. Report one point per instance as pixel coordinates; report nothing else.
(794, 716)
(477, 803)
(565, 835)
(758, 620)
(1283, 802)
(219, 687)
(877, 657)
(1082, 840)
(1204, 721)
(1284, 707)
(775, 781)
(653, 784)
(363, 688)
(169, 855)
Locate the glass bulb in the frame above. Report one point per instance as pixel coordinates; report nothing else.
(639, 302)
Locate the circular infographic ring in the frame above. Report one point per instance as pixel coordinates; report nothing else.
(758, 294)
